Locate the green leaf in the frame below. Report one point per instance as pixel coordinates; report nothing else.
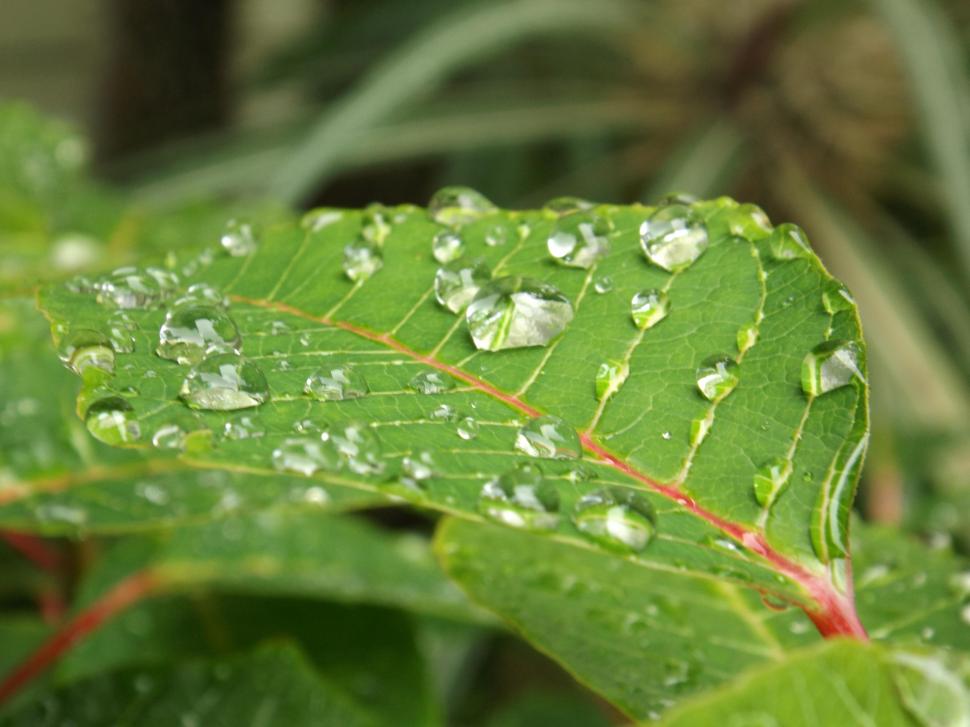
(648, 639)
(299, 315)
(274, 685)
(56, 479)
(839, 682)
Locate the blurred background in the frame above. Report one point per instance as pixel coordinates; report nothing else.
(851, 118)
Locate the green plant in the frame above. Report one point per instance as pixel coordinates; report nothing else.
(636, 431)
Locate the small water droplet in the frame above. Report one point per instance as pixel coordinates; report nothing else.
(112, 421)
(522, 499)
(243, 427)
(306, 456)
(610, 377)
(673, 237)
(677, 672)
(202, 294)
(239, 238)
(603, 284)
(677, 198)
(836, 297)
(666, 436)
(829, 366)
(444, 412)
(128, 288)
(458, 282)
(514, 312)
(431, 382)
(223, 382)
(447, 246)
(359, 447)
(467, 428)
(169, 436)
(416, 470)
(315, 495)
(336, 383)
(649, 307)
(279, 328)
(496, 235)
(362, 259)
(316, 219)
(549, 437)
(788, 242)
(375, 227)
(309, 425)
(458, 205)
(700, 427)
(152, 493)
(567, 205)
(747, 337)
(579, 240)
(717, 377)
(616, 517)
(88, 353)
(189, 334)
(748, 221)
(770, 479)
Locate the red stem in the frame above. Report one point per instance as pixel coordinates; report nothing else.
(125, 593)
(33, 549)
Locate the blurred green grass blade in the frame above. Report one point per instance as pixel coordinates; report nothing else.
(932, 55)
(423, 62)
(703, 163)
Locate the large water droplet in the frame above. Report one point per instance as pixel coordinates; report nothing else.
(129, 288)
(748, 221)
(458, 282)
(579, 240)
(522, 499)
(836, 297)
(88, 353)
(112, 421)
(467, 428)
(190, 334)
(239, 238)
(649, 307)
(513, 312)
(610, 377)
(673, 237)
(788, 242)
(717, 376)
(770, 479)
(223, 382)
(829, 366)
(362, 258)
(306, 456)
(358, 446)
(616, 517)
(336, 383)
(549, 437)
(447, 246)
(431, 382)
(458, 205)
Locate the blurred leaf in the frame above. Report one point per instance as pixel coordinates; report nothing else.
(553, 708)
(933, 57)
(20, 635)
(274, 685)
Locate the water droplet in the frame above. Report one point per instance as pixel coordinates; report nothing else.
(336, 383)
(458, 282)
(673, 237)
(444, 412)
(129, 288)
(700, 427)
(431, 382)
(748, 221)
(309, 425)
(362, 259)
(239, 238)
(717, 376)
(316, 219)
(315, 495)
(112, 421)
(458, 205)
(770, 479)
(359, 447)
(496, 235)
(202, 294)
(416, 470)
(375, 227)
(168, 281)
(513, 312)
(677, 672)
(522, 499)
(829, 366)
(88, 353)
(121, 331)
(467, 428)
(190, 334)
(447, 246)
(223, 382)
(678, 198)
(243, 427)
(649, 307)
(152, 493)
(747, 337)
(579, 240)
(567, 205)
(279, 328)
(666, 436)
(549, 437)
(169, 436)
(616, 517)
(610, 377)
(836, 297)
(603, 284)
(306, 456)
(788, 242)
